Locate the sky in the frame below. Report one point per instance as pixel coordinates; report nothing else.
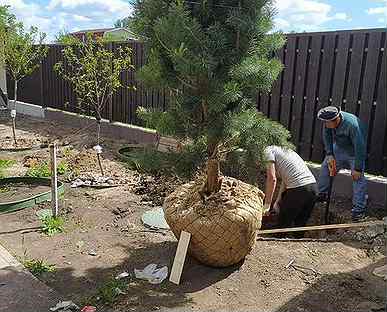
(53, 16)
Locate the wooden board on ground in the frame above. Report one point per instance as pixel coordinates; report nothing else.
(181, 252)
(321, 227)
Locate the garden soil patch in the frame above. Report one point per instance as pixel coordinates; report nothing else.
(104, 236)
(24, 139)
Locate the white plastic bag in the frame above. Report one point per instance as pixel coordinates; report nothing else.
(152, 274)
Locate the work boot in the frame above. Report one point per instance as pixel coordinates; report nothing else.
(361, 217)
(322, 198)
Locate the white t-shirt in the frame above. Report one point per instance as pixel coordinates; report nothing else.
(290, 167)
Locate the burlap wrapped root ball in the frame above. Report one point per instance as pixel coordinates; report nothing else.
(223, 226)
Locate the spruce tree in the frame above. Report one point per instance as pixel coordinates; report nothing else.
(213, 57)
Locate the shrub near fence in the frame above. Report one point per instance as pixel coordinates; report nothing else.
(342, 68)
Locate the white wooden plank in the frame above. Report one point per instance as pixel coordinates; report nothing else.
(180, 255)
(322, 227)
(6, 259)
(54, 181)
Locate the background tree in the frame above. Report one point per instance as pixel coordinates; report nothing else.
(65, 38)
(125, 22)
(94, 73)
(213, 57)
(23, 50)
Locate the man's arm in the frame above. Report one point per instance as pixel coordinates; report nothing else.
(328, 141)
(271, 182)
(360, 147)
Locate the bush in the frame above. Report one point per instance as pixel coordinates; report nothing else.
(5, 163)
(52, 225)
(37, 266)
(39, 171)
(183, 164)
(43, 170)
(111, 290)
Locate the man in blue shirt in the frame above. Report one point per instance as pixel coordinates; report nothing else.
(345, 141)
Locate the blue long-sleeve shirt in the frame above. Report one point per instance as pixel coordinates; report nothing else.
(350, 136)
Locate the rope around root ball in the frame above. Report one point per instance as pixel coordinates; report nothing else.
(223, 226)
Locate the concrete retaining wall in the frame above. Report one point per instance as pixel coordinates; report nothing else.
(115, 130)
(342, 185)
(377, 186)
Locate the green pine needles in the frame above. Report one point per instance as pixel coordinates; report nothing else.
(213, 57)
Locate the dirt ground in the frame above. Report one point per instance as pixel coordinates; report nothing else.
(104, 236)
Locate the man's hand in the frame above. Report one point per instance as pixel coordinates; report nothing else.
(355, 175)
(266, 209)
(276, 207)
(331, 162)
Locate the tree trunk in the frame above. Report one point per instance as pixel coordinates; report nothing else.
(98, 136)
(98, 130)
(214, 181)
(14, 117)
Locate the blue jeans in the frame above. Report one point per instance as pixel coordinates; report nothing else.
(359, 190)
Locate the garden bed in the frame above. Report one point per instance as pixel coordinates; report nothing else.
(104, 236)
(24, 192)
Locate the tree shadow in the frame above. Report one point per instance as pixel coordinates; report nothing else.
(141, 295)
(355, 291)
(20, 291)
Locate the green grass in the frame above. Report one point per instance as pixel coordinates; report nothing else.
(52, 225)
(111, 290)
(37, 266)
(4, 164)
(67, 152)
(62, 168)
(43, 170)
(39, 171)
(106, 294)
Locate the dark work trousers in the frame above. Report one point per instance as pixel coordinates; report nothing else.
(296, 206)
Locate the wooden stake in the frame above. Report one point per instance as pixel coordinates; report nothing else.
(181, 252)
(321, 227)
(54, 181)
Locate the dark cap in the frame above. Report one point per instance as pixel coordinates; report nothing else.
(328, 113)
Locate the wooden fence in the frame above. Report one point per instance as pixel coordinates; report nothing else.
(342, 68)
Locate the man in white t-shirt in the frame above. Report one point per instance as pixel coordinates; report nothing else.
(298, 191)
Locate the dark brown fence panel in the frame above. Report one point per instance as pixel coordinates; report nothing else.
(377, 131)
(311, 94)
(357, 51)
(276, 91)
(287, 92)
(264, 103)
(28, 88)
(327, 53)
(299, 90)
(371, 69)
(340, 68)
